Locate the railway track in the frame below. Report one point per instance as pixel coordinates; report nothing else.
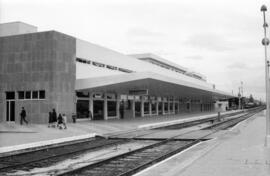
(134, 161)
(47, 156)
(125, 164)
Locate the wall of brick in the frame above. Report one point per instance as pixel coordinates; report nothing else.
(38, 61)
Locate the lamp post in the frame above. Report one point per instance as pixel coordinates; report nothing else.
(242, 95)
(265, 42)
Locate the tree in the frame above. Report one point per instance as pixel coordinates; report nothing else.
(251, 99)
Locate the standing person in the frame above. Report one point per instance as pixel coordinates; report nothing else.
(64, 121)
(54, 118)
(50, 119)
(60, 121)
(23, 115)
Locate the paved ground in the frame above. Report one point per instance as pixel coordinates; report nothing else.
(239, 152)
(15, 134)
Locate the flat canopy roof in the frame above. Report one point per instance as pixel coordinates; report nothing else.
(158, 85)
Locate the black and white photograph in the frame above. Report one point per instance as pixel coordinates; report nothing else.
(134, 88)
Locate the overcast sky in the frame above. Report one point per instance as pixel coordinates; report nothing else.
(218, 38)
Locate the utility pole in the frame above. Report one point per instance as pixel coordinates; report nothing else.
(265, 42)
(242, 95)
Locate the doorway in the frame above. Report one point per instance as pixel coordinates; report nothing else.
(10, 106)
(138, 109)
(10, 111)
(82, 109)
(159, 108)
(98, 108)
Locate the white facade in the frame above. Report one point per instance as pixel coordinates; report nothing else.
(95, 53)
(16, 28)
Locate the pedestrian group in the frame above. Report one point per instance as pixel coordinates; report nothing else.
(59, 122)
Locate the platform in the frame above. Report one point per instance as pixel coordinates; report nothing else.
(14, 136)
(238, 152)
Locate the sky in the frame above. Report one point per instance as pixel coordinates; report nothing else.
(220, 39)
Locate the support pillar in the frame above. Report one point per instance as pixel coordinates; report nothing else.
(105, 107)
(133, 108)
(117, 106)
(142, 108)
(150, 108)
(174, 107)
(163, 108)
(157, 108)
(91, 107)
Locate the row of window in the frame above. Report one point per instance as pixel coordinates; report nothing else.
(27, 95)
(169, 67)
(98, 64)
(31, 95)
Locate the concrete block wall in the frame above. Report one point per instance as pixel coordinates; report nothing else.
(38, 61)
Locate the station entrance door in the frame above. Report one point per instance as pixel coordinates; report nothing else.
(10, 106)
(98, 108)
(137, 109)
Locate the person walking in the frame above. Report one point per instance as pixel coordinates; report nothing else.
(23, 115)
(50, 120)
(60, 121)
(64, 121)
(54, 118)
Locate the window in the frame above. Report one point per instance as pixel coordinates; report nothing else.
(125, 70)
(34, 94)
(42, 94)
(98, 64)
(82, 94)
(10, 95)
(28, 95)
(21, 95)
(111, 67)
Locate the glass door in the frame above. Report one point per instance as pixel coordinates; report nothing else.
(10, 111)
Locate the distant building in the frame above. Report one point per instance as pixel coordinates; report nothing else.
(45, 70)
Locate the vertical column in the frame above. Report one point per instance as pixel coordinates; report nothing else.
(150, 108)
(142, 108)
(117, 106)
(190, 105)
(179, 107)
(163, 107)
(133, 108)
(174, 107)
(105, 107)
(157, 108)
(91, 109)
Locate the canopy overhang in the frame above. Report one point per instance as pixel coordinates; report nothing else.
(156, 84)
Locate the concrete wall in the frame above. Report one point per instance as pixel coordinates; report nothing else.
(38, 61)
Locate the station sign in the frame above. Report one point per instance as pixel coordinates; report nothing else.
(137, 97)
(152, 98)
(138, 92)
(123, 97)
(98, 95)
(145, 98)
(131, 97)
(111, 96)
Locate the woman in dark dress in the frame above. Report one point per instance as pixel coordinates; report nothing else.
(50, 120)
(60, 121)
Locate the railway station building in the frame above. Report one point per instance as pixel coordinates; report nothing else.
(44, 70)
